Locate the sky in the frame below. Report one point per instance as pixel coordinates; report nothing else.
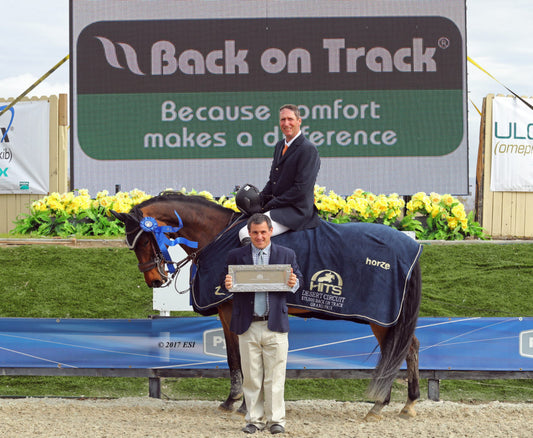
(35, 38)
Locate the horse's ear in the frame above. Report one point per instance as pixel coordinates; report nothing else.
(123, 217)
(119, 216)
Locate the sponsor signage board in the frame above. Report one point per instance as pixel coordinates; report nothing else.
(486, 344)
(24, 148)
(188, 93)
(512, 146)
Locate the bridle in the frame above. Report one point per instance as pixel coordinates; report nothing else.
(158, 260)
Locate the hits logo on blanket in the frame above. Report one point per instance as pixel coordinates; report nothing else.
(326, 281)
(325, 290)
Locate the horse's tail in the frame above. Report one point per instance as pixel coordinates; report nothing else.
(398, 340)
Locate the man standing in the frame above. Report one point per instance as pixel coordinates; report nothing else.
(288, 196)
(261, 321)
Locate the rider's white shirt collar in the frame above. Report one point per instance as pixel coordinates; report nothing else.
(288, 143)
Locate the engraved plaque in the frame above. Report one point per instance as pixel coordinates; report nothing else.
(260, 278)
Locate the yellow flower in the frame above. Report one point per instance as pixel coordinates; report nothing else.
(122, 206)
(459, 211)
(102, 194)
(396, 202)
(427, 204)
(452, 222)
(54, 204)
(358, 193)
(207, 195)
(361, 206)
(349, 206)
(122, 195)
(435, 197)
(418, 196)
(137, 194)
(38, 205)
(319, 190)
(105, 201)
(67, 197)
(381, 203)
(376, 212)
(447, 199)
(230, 203)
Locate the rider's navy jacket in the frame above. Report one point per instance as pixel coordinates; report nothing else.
(289, 192)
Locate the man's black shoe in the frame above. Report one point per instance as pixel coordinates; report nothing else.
(250, 428)
(277, 428)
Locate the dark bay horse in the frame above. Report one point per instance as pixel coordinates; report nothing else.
(200, 220)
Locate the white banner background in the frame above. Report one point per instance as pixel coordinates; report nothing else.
(512, 146)
(24, 152)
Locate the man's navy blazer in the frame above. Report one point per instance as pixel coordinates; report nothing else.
(243, 302)
(289, 192)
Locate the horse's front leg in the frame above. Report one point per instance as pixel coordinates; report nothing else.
(234, 360)
(413, 380)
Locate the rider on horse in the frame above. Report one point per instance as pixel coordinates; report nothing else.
(288, 196)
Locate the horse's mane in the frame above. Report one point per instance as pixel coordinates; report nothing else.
(177, 196)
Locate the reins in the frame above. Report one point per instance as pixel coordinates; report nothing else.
(193, 257)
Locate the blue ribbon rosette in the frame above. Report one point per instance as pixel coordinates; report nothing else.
(150, 225)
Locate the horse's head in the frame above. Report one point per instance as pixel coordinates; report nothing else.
(143, 243)
(199, 221)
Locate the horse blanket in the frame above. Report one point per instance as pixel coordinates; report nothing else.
(356, 271)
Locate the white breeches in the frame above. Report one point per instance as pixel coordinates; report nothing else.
(277, 229)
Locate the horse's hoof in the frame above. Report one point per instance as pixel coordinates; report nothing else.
(242, 410)
(225, 407)
(407, 413)
(408, 410)
(372, 417)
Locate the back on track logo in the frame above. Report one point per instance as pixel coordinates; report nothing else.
(326, 281)
(342, 53)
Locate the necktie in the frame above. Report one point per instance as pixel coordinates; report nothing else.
(260, 297)
(285, 149)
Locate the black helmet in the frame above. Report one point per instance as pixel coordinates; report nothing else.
(248, 200)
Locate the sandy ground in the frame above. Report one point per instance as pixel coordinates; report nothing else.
(147, 417)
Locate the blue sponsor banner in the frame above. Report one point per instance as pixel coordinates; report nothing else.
(490, 344)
